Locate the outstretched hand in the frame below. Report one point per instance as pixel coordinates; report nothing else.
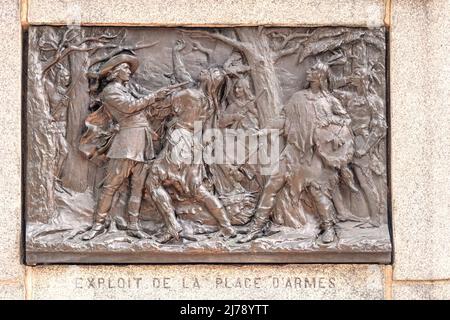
(162, 93)
(179, 45)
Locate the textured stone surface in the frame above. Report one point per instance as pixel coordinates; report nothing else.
(11, 291)
(263, 282)
(10, 140)
(420, 144)
(417, 291)
(420, 152)
(206, 12)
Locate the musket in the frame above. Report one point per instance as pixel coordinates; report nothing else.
(171, 88)
(176, 86)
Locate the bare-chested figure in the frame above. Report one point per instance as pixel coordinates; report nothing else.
(242, 115)
(174, 167)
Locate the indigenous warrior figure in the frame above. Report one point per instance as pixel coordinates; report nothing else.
(319, 146)
(369, 128)
(240, 114)
(130, 147)
(176, 166)
(57, 92)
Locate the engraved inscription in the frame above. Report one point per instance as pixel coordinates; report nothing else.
(274, 282)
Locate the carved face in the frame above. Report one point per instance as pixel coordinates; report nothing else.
(242, 89)
(216, 75)
(123, 71)
(238, 90)
(318, 74)
(313, 75)
(360, 79)
(64, 78)
(203, 75)
(213, 77)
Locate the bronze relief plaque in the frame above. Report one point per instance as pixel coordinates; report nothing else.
(230, 145)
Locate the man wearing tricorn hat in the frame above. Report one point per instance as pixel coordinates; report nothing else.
(131, 146)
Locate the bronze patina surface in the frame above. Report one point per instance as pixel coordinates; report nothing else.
(231, 145)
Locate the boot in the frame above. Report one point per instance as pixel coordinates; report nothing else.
(166, 236)
(228, 232)
(219, 213)
(97, 229)
(120, 222)
(328, 235)
(257, 225)
(255, 232)
(134, 229)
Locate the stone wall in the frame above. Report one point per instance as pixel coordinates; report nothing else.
(419, 143)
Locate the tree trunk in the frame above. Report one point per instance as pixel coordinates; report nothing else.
(76, 169)
(260, 59)
(41, 146)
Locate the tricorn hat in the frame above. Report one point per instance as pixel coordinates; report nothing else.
(131, 60)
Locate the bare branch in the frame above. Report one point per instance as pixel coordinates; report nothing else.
(321, 33)
(142, 46)
(63, 51)
(286, 52)
(118, 49)
(102, 38)
(105, 55)
(261, 30)
(198, 47)
(65, 38)
(51, 47)
(374, 41)
(286, 38)
(325, 40)
(73, 37)
(276, 34)
(61, 55)
(292, 37)
(232, 42)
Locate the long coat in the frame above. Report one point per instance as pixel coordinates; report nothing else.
(120, 128)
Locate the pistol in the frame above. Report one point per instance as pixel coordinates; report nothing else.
(175, 86)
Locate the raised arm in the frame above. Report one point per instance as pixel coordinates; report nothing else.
(179, 70)
(196, 46)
